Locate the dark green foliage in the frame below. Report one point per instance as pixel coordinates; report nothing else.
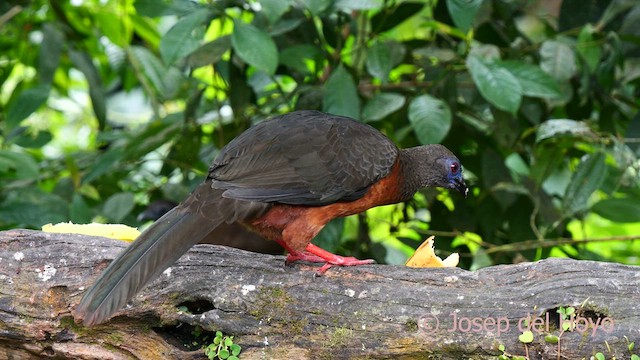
(105, 107)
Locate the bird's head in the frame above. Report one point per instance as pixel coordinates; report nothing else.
(454, 178)
(435, 166)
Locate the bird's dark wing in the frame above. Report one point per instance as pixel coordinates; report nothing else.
(304, 157)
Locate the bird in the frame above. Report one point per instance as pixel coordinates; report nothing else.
(284, 178)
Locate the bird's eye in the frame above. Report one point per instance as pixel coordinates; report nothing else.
(455, 167)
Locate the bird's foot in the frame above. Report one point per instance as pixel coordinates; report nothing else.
(315, 254)
(331, 259)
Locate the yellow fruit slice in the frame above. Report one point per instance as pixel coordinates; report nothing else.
(426, 257)
(114, 231)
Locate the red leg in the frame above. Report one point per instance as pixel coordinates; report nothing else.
(333, 259)
(298, 256)
(303, 256)
(316, 254)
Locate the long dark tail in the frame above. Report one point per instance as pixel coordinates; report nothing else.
(158, 247)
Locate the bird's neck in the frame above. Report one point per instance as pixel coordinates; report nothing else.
(416, 172)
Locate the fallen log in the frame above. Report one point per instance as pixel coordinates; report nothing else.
(284, 312)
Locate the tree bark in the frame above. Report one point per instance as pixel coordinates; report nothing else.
(284, 312)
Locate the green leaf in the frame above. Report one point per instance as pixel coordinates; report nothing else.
(635, 357)
(463, 12)
(156, 134)
(588, 48)
(298, 57)
(430, 118)
(349, 5)
(228, 341)
(103, 164)
(618, 210)
(182, 38)
(152, 67)
(546, 162)
(284, 26)
(32, 207)
(223, 354)
(26, 104)
(145, 28)
(84, 63)
(89, 191)
(566, 312)
(341, 95)
(235, 349)
(152, 8)
(210, 53)
(533, 81)
(389, 17)
(517, 167)
(50, 51)
(6, 164)
(316, 7)
(255, 47)
(382, 105)
(588, 177)
(398, 52)
(599, 356)
(496, 84)
(118, 206)
(555, 128)
(18, 166)
(274, 9)
(379, 61)
(557, 60)
(526, 337)
(28, 139)
(79, 211)
(551, 339)
(116, 27)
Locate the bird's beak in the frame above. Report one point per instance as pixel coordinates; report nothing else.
(461, 186)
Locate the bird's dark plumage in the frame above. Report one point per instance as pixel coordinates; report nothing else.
(329, 159)
(233, 235)
(284, 178)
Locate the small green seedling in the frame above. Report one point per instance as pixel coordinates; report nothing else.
(502, 356)
(566, 313)
(222, 348)
(630, 345)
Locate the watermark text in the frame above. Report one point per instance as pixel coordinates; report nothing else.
(501, 324)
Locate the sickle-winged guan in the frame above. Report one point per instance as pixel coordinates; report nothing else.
(284, 178)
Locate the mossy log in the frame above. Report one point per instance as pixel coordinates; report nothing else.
(284, 312)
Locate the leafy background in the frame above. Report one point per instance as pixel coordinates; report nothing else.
(108, 105)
